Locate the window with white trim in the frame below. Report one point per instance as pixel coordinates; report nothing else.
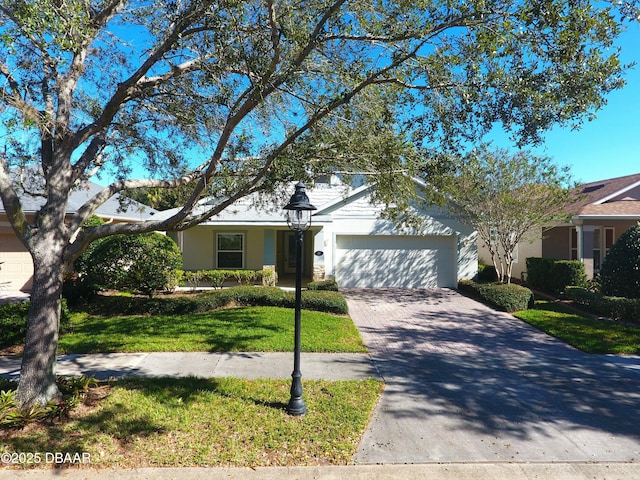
(230, 250)
(573, 242)
(603, 239)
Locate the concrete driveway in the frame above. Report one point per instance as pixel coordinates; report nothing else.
(468, 384)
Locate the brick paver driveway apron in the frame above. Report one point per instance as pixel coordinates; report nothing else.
(468, 384)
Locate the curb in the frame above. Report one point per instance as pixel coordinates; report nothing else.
(446, 471)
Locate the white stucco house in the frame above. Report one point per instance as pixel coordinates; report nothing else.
(347, 241)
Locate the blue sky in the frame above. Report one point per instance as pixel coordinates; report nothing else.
(609, 146)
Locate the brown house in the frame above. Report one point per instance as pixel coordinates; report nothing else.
(605, 210)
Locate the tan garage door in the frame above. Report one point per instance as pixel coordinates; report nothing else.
(16, 267)
(376, 261)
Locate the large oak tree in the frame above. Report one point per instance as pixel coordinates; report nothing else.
(231, 97)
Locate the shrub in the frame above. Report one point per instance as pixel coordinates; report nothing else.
(193, 279)
(245, 277)
(78, 290)
(620, 272)
(487, 273)
(330, 285)
(554, 275)
(616, 308)
(13, 322)
(503, 296)
(145, 263)
(217, 277)
(324, 301)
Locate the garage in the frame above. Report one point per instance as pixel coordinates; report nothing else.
(404, 261)
(16, 267)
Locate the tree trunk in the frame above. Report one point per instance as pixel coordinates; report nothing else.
(37, 385)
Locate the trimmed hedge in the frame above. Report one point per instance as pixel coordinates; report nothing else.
(13, 322)
(330, 285)
(217, 278)
(616, 308)
(503, 296)
(324, 301)
(554, 275)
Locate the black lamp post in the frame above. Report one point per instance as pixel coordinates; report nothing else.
(299, 220)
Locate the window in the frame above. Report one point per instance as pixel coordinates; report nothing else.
(573, 253)
(603, 239)
(597, 250)
(609, 235)
(230, 250)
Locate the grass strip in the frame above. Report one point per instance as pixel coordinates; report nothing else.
(172, 422)
(256, 329)
(591, 335)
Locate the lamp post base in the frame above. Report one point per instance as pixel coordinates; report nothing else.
(296, 404)
(296, 407)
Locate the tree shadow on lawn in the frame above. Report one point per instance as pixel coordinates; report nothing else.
(236, 329)
(134, 414)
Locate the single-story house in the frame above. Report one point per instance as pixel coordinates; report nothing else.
(16, 266)
(605, 209)
(347, 241)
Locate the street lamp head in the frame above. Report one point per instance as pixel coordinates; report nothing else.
(299, 209)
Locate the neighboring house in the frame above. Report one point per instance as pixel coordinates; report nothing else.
(605, 210)
(16, 266)
(347, 241)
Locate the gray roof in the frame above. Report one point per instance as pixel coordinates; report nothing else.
(261, 211)
(128, 210)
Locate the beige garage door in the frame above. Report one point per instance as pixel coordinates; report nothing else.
(16, 267)
(376, 261)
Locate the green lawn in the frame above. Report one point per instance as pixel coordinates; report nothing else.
(264, 329)
(208, 422)
(588, 334)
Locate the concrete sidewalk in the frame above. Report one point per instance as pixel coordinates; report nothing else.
(337, 366)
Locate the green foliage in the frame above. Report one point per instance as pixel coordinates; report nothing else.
(73, 389)
(293, 90)
(206, 422)
(554, 276)
(487, 273)
(245, 277)
(591, 335)
(620, 272)
(233, 329)
(217, 278)
(615, 308)
(193, 278)
(145, 263)
(331, 285)
(506, 197)
(13, 322)
(503, 296)
(161, 198)
(324, 301)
